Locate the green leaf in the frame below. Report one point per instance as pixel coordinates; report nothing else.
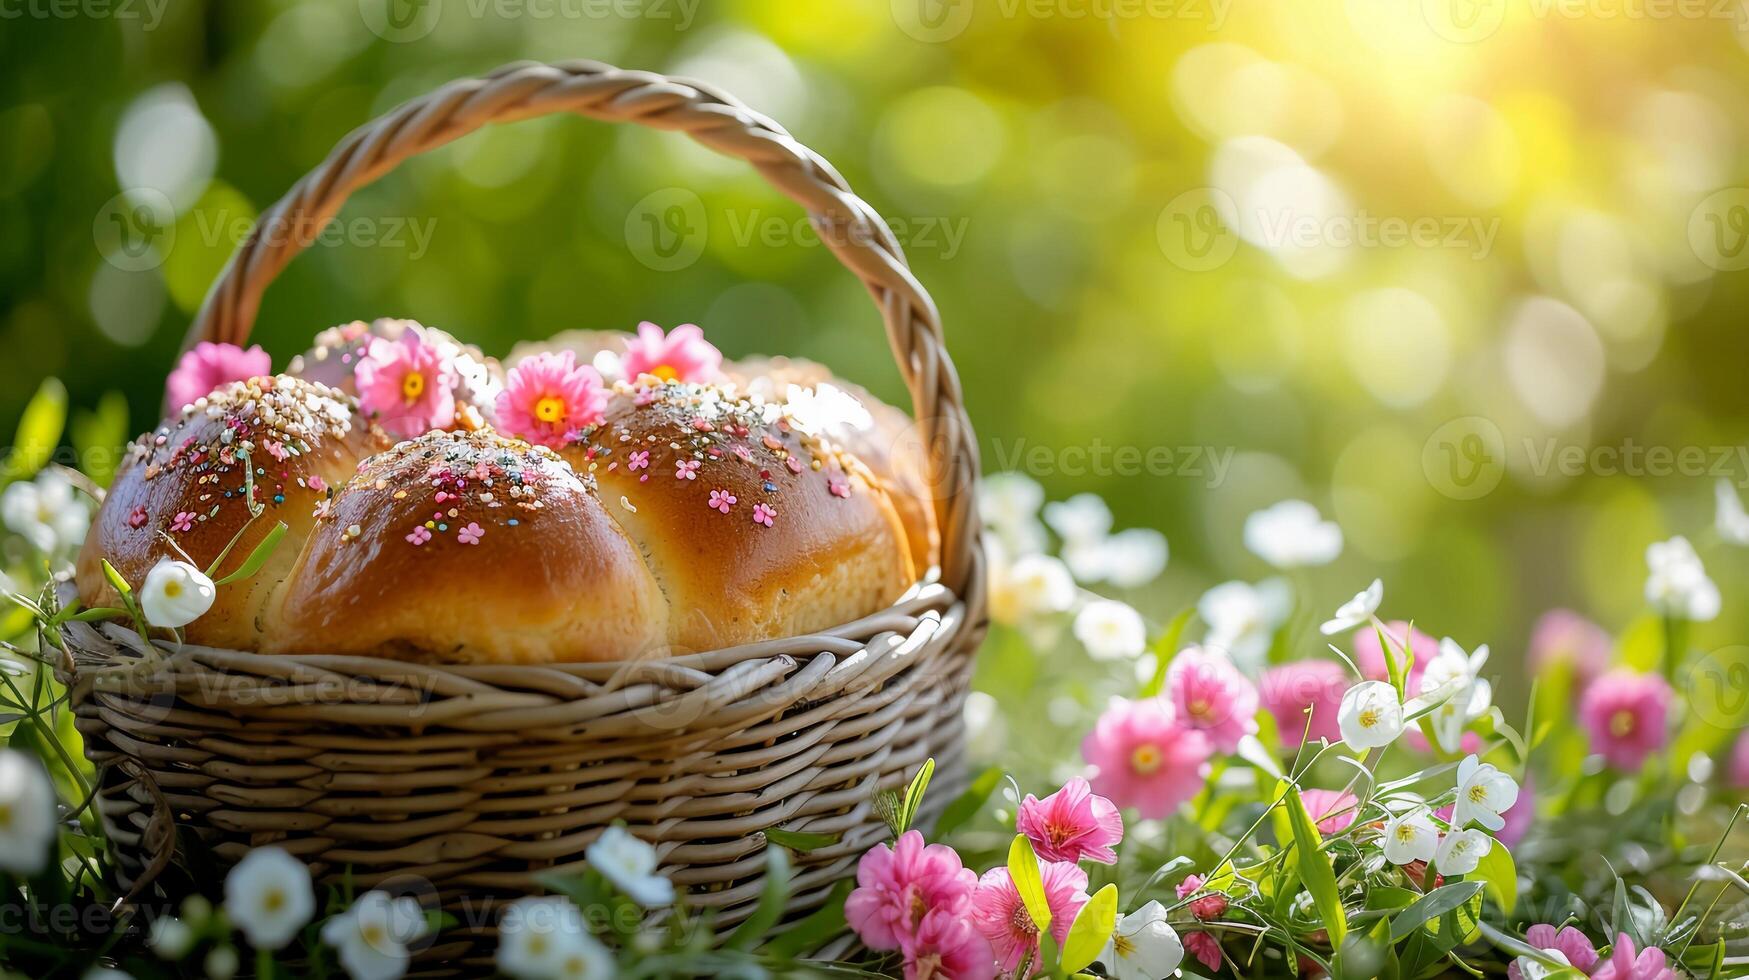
(914, 795)
(772, 899)
(1165, 648)
(98, 437)
(1499, 874)
(256, 559)
(967, 804)
(1091, 930)
(115, 580)
(797, 840)
(1394, 666)
(1434, 904)
(1314, 867)
(1023, 868)
(39, 431)
(813, 932)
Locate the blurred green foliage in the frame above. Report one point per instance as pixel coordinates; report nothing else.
(1033, 154)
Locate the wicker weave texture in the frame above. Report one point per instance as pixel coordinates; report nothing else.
(462, 783)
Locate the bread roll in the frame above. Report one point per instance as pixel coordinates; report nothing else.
(470, 547)
(334, 357)
(183, 490)
(883, 437)
(753, 529)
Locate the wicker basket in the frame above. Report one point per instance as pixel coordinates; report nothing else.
(463, 782)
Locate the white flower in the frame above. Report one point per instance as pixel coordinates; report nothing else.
(583, 957)
(1454, 676)
(1484, 793)
(1110, 630)
(1242, 618)
(1008, 504)
(1035, 585)
(46, 512)
(1678, 586)
(1411, 836)
(1461, 850)
(28, 814)
(1370, 716)
(372, 936)
(1531, 968)
(825, 408)
(1082, 518)
(171, 938)
(1356, 610)
(1128, 559)
(268, 895)
(608, 365)
(535, 934)
(1733, 520)
(631, 865)
(175, 594)
(1292, 535)
(1143, 946)
(221, 962)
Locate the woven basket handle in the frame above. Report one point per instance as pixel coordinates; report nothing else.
(852, 229)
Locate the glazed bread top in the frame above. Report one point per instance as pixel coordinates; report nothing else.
(689, 518)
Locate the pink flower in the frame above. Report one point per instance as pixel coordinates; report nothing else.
(209, 366)
(1071, 824)
(549, 396)
(1569, 942)
(1210, 906)
(721, 500)
(419, 535)
(183, 521)
(1737, 772)
(1369, 656)
(408, 383)
(1205, 948)
(1000, 915)
(897, 886)
(838, 487)
(137, 517)
(638, 460)
(763, 514)
(1626, 714)
(1210, 694)
(681, 355)
(1332, 810)
(1625, 965)
(470, 534)
(1291, 689)
(686, 469)
(1561, 635)
(1520, 815)
(946, 947)
(1145, 758)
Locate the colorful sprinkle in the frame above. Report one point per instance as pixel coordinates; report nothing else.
(137, 517)
(763, 514)
(183, 521)
(722, 500)
(470, 534)
(686, 469)
(638, 460)
(419, 536)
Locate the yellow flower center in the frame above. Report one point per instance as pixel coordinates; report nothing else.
(1405, 833)
(550, 409)
(274, 900)
(172, 589)
(537, 945)
(1121, 945)
(1200, 709)
(5, 815)
(666, 372)
(1145, 759)
(373, 934)
(576, 966)
(1621, 724)
(1369, 718)
(1478, 794)
(412, 386)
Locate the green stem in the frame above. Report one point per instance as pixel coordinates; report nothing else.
(263, 964)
